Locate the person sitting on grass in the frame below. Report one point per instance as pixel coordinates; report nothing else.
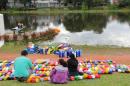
(31, 45)
(59, 75)
(72, 65)
(22, 67)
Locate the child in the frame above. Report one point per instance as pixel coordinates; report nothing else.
(31, 45)
(23, 67)
(59, 75)
(31, 49)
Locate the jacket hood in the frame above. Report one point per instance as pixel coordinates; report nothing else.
(61, 68)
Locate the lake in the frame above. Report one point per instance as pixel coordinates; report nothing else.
(94, 29)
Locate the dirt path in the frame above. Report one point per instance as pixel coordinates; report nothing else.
(123, 59)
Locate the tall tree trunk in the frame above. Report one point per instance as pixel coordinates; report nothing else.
(14, 3)
(24, 5)
(35, 3)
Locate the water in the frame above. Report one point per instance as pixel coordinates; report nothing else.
(79, 29)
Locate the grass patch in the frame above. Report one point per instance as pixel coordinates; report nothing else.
(102, 50)
(117, 79)
(16, 47)
(63, 10)
(12, 47)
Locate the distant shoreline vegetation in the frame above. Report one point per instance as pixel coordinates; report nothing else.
(64, 6)
(63, 10)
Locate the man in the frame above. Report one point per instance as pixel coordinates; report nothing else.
(23, 67)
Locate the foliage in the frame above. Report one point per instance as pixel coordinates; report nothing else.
(113, 7)
(83, 4)
(3, 4)
(86, 3)
(25, 2)
(124, 3)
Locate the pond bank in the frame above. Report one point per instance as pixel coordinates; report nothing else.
(57, 11)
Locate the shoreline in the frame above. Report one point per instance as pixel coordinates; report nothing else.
(58, 11)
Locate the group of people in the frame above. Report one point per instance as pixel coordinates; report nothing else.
(60, 74)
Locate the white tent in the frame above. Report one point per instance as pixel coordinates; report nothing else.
(2, 29)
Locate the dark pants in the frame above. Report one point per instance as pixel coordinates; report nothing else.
(21, 79)
(75, 73)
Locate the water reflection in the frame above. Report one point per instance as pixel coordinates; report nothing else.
(123, 17)
(80, 22)
(32, 22)
(79, 29)
(12, 20)
(113, 34)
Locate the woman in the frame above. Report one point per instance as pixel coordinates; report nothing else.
(59, 75)
(72, 65)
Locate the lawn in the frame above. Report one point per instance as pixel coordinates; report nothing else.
(16, 47)
(117, 79)
(102, 50)
(12, 47)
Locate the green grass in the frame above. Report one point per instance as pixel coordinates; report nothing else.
(102, 50)
(16, 47)
(64, 10)
(117, 79)
(12, 47)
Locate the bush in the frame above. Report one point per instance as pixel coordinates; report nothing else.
(113, 7)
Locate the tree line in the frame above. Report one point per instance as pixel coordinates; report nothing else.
(69, 3)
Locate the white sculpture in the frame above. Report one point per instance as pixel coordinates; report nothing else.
(2, 29)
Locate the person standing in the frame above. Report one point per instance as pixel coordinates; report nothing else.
(20, 25)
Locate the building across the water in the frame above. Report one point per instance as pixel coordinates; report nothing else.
(15, 3)
(45, 3)
(37, 3)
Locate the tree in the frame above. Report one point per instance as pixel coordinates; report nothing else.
(15, 2)
(124, 3)
(93, 3)
(87, 3)
(97, 2)
(26, 2)
(34, 3)
(74, 3)
(3, 4)
(59, 2)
